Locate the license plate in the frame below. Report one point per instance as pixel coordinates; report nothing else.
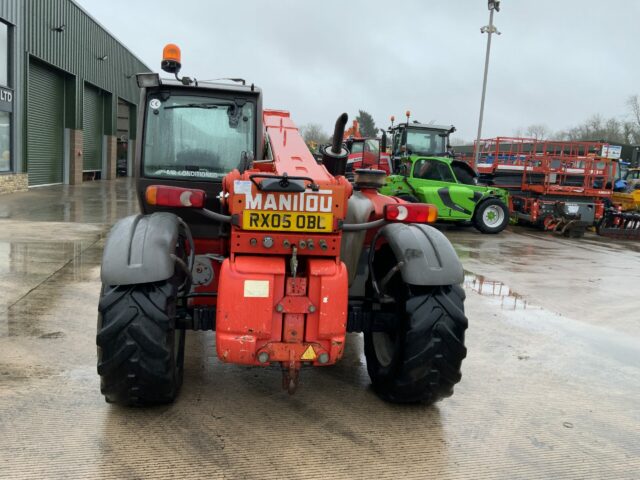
(287, 221)
(572, 208)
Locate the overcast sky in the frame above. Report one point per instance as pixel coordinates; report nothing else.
(556, 62)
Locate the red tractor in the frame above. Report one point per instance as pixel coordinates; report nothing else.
(243, 232)
(366, 152)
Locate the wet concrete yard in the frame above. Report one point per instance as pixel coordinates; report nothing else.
(550, 388)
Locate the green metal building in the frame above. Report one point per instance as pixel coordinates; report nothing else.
(68, 96)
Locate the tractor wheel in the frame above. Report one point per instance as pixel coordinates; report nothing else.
(408, 198)
(415, 351)
(491, 216)
(140, 352)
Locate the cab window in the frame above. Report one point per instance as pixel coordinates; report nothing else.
(189, 136)
(356, 147)
(429, 169)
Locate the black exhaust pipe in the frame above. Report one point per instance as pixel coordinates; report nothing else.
(334, 156)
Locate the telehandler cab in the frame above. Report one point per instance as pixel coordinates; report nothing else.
(243, 232)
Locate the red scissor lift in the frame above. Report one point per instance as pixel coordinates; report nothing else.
(560, 186)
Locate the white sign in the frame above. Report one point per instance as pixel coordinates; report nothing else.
(6, 95)
(242, 186)
(612, 151)
(256, 288)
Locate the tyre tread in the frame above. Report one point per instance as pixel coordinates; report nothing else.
(135, 354)
(431, 351)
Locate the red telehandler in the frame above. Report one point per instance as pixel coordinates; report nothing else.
(243, 232)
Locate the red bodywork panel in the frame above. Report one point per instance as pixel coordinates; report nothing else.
(260, 308)
(370, 160)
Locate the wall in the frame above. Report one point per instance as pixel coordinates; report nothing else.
(11, 11)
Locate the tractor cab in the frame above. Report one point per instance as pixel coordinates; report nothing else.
(367, 153)
(632, 175)
(192, 135)
(421, 139)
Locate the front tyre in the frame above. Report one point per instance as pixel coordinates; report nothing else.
(417, 355)
(140, 351)
(491, 216)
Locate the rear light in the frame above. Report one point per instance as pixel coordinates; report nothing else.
(165, 196)
(410, 213)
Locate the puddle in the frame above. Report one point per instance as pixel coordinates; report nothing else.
(41, 282)
(509, 300)
(603, 341)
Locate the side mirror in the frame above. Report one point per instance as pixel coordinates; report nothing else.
(383, 142)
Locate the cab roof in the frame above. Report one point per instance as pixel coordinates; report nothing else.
(425, 126)
(210, 85)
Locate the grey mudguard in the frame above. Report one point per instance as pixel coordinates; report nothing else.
(428, 256)
(139, 249)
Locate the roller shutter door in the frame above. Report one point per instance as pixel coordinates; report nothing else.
(45, 125)
(92, 118)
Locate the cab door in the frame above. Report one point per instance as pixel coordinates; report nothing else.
(435, 183)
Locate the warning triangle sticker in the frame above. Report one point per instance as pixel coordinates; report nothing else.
(309, 354)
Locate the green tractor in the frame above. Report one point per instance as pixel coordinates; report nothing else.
(426, 172)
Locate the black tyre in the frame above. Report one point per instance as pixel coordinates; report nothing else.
(408, 198)
(491, 216)
(415, 347)
(140, 352)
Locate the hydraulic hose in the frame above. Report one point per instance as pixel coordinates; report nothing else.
(355, 227)
(218, 217)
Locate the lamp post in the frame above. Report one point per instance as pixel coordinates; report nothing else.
(494, 6)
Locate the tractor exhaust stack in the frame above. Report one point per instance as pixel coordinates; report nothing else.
(335, 156)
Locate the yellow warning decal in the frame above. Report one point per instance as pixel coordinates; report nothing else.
(309, 354)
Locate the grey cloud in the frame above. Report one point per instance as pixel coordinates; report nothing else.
(555, 63)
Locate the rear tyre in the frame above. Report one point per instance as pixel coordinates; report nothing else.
(491, 216)
(140, 352)
(421, 360)
(415, 353)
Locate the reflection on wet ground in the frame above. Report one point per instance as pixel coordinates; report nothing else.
(607, 340)
(589, 279)
(91, 202)
(549, 388)
(509, 300)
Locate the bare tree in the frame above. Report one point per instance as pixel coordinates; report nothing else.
(633, 102)
(313, 132)
(538, 131)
